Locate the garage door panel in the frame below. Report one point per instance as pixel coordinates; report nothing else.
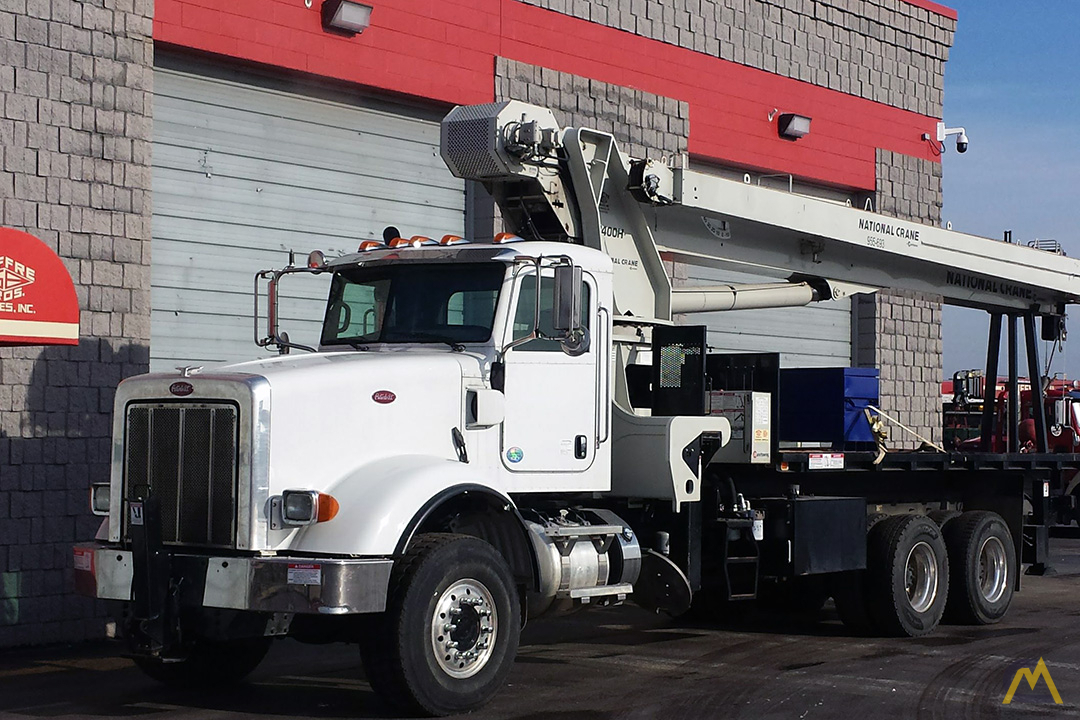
(228, 202)
(245, 242)
(294, 309)
(316, 111)
(805, 355)
(181, 278)
(324, 135)
(243, 174)
(218, 344)
(411, 161)
(189, 164)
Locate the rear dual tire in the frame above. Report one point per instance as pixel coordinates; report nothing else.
(957, 566)
(983, 568)
(907, 577)
(904, 589)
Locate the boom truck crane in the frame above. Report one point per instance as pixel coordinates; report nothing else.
(488, 432)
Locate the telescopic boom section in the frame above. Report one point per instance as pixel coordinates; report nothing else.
(574, 185)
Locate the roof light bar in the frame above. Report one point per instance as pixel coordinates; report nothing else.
(369, 245)
(453, 240)
(505, 237)
(415, 241)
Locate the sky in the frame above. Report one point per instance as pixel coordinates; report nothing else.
(1013, 82)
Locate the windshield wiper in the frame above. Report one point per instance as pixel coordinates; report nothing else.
(455, 346)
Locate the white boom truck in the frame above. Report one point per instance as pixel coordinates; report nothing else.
(493, 431)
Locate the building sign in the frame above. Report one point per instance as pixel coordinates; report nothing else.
(37, 299)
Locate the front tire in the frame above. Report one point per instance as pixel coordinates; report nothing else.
(450, 633)
(982, 558)
(907, 576)
(208, 664)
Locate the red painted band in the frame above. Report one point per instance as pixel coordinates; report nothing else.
(445, 50)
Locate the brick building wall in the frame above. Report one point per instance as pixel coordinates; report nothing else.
(75, 132)
(888, 51)
(644, 124)
(900, 332)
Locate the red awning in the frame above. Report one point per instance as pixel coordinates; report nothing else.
(37, 299)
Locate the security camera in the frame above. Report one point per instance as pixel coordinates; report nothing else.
(944, 132)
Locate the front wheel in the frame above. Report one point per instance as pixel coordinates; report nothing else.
(214, 664)
(450, 633)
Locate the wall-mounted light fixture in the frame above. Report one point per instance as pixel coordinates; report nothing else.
(345, 16)
(792, 126)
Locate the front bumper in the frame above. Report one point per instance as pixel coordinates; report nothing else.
(327, 586)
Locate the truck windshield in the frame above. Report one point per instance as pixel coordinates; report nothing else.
(413, 302)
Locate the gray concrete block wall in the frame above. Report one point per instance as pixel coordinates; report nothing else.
(900, 332)
(888, 51)
(644, 124)
(75, 106)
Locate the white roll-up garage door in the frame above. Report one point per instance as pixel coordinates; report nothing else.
(817, 335)
(244, 173)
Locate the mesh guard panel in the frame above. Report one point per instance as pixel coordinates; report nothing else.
(678, 383)
(186, 455)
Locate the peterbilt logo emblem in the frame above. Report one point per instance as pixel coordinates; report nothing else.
(14, 276)
(383, 397)
(181, 388)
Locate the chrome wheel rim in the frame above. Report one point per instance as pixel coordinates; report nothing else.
(993, 569)
(463, 628)
(921, 577)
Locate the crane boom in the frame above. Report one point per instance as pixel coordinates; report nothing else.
(791, 232)
(575, 185)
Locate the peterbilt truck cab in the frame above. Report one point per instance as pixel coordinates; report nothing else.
(298, 494)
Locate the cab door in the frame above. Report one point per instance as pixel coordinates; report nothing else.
(550, 423)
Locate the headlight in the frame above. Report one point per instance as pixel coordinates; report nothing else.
(100, 498)
(307, 507)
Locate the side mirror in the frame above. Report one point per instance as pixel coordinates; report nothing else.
(576, 342)
(566, 308)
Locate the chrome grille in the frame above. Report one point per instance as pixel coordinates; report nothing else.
(185, 455)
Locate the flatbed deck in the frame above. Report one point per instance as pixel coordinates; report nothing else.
(863, 460)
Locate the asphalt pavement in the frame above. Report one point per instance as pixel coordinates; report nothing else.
(626, 663)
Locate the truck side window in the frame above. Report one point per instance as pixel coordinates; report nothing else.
(525, 312)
